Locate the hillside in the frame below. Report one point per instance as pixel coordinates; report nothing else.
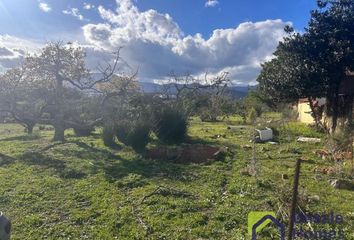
(234, 91)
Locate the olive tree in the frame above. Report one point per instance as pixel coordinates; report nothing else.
(21, 99)
(58, 67)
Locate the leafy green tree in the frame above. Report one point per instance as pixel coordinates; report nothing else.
(314, 64)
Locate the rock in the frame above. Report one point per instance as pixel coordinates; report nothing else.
(216, 136)
(314, 198)
(247, 147)
(342, 184)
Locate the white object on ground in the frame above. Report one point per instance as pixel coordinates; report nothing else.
(265, 134)
(307, 139)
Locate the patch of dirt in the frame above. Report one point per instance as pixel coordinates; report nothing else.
(187, 153)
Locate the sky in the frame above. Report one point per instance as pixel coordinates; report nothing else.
(158, 37)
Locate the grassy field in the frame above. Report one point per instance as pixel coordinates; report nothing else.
(80, 189)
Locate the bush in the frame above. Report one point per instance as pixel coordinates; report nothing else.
(170, 124)
(252, 116)
(134, 134)
(206, 115)
(83, 131)
(108, 136)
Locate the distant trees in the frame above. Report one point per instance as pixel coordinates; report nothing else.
(206, 97)
(314, 64)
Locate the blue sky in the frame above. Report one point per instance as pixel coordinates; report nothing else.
(195, 37)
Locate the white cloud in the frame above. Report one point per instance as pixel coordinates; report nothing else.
(155, 43)
(75, 13)
(13, 50)
(88, 6)
(211, 3)
(45, 7)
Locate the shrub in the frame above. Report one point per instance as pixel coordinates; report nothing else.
(108, 136)
(170, 124)
(206, 115)
(289, 114)
(121, 131)
(252, 116)
(83, 131)
(133, 133)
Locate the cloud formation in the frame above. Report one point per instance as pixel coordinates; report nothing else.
(211, 3)
(155, 43)
(13, 50)
(88, 6)
(45, 7)
(75, 13)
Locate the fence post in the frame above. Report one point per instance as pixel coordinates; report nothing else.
(294, 199)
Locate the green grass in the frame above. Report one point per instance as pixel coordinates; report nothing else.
(82, 190)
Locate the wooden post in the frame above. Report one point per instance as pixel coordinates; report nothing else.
(351, 155)
(294, 199)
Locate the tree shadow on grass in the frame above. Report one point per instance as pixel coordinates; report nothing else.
(97, 150)
(114, 167)
(28, 137)
(115, 170)
(197, 140)
(6, 160)
(39, 159)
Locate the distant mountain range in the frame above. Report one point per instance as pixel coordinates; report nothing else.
(235, 91)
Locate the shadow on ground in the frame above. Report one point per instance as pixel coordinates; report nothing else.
(114, 166)
(5, 160)
(27, 137)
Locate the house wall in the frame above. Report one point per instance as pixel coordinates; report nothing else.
(304, 111)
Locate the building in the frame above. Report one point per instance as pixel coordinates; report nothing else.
(303, 106)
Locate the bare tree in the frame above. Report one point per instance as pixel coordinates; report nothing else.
(190, 92)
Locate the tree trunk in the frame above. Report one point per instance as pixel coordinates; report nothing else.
(316, 116)
(58, 122)
(29, 127)
(332, 110)
(59, 130)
